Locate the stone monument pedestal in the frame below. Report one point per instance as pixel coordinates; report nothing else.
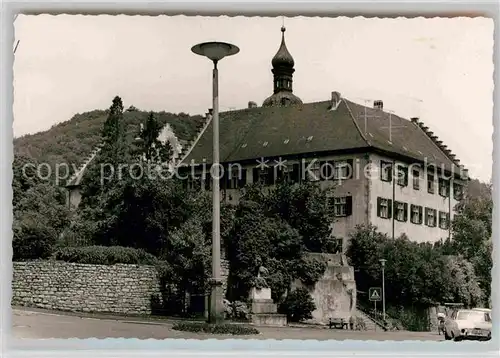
(264, 310)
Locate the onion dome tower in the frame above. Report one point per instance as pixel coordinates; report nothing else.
(283, 70)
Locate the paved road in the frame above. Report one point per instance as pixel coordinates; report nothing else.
(38, 325)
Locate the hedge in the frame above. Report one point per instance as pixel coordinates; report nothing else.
(104, 255)
(235, 329)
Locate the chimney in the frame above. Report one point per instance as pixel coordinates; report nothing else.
(378, 104)
(414, 120)
(210, 111)
(252, 104)
(334, 101)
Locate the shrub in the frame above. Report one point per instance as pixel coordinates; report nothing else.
(359, 324)
(298, 305)
(104, 255)
(236, 310)
(196, 327)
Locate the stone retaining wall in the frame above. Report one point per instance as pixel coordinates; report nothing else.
(89, 288)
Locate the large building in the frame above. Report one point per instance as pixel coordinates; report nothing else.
(388, 171)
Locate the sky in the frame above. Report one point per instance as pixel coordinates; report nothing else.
(440, 70)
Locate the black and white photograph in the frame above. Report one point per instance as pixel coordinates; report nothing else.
(217, 177)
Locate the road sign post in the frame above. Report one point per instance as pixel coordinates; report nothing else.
(374, 294)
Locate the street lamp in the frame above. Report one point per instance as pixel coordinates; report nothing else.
(382, 262)
(215, 51)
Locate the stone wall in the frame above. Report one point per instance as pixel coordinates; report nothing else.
(90, 288)
(335, 293)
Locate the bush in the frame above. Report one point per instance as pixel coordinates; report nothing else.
(235, 329)
(298, 305)
(359, 324)
(236, 310)
(104, 255)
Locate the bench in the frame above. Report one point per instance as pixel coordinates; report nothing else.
(338, 323)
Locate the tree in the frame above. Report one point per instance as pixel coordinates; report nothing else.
(107, 168)
(268, 227)
(472, 234)
(40, 217)
(150, 147)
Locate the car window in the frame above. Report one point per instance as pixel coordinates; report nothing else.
(487, 317)
(471, 316)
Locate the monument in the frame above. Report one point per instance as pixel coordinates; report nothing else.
(264, 312)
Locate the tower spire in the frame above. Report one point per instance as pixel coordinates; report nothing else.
(283, 69)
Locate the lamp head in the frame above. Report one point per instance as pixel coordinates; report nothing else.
(215, 51)
(383, 261)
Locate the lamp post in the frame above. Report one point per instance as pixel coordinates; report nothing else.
(382, 262)
(215, 51)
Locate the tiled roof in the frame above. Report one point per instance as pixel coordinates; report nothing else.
(276, 131)
(311, 128)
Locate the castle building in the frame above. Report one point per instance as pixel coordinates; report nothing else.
(388, 171)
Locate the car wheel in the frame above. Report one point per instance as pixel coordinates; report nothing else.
(446, 335)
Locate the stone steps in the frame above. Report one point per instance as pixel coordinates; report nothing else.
(269, 319)
(369, 323)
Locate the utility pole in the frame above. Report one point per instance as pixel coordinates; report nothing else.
(382, 262)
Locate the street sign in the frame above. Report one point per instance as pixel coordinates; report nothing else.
(374, 293)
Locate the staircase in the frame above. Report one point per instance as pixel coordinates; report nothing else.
(369, 323)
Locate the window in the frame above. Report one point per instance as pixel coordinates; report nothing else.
(457, 191)
(342, 206)
(384, 208)
(232, 179)
(444, 220)
(416, 214)
(343, 169)
(402, 175)
(443, 187)
(430, 217)
(263, 176)
(430, 183)
(416, 179)
(385, 171)
(326, 170)
(314, 174)
(401, 211)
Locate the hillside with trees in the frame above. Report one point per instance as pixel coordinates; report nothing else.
(72, 141)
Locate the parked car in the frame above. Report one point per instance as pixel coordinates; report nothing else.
(471, 324)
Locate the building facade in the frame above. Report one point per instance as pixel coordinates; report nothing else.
(386, 170)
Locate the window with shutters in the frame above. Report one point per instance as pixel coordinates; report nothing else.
(457, 191)
(430, 217)
(233, 178)
(261, 176)
(444, 220)
(416, 179)
(384, 209)
(343, 169)
(342, 206)
(327, 170)
(385, 171)
(314, 174)
(430, 184)
(416, 214)
(401, 211)
(444, 187)
(402, 173)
